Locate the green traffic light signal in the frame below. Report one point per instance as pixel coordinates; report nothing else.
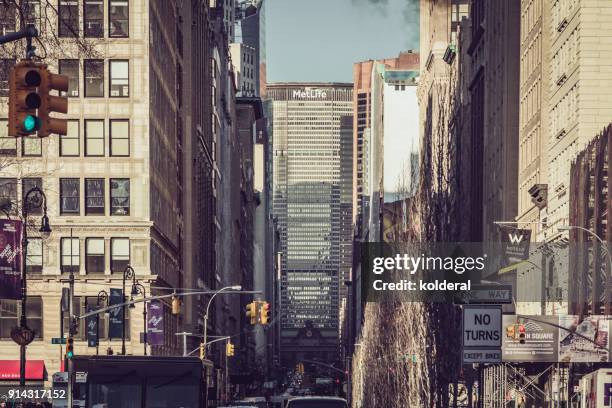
(70, 354)
(31, 123)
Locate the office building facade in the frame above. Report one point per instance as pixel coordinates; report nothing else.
(312, 184)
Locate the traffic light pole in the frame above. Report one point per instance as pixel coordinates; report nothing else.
(29, 33)
(71, 332)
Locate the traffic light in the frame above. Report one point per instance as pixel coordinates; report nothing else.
(251, 312)
(229, 350)
(70, 347)
(264, 312)
(176, 305)
(24, 98)
(51, 103)
(521, 333)
(510, 332)
(202, 351)
(299, 368)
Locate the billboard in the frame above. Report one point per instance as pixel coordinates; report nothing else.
(10, 259)
(540, 343)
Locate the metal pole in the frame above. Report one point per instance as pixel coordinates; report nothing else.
(235, 288)
(123, 318)
(144, 316)
(24, 293)
(226, 373)
(71, 331)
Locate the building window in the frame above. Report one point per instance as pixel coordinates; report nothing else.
(70, 142)
(8, 18)
(6, 64)
(69, 196)
(94, 138)
(8, 192)
(119, 137)
(34, 259)
(94, 78)
(10, 311)
(120, 196)
(94, 253)
(119, 79)
(120, 254)
(118, 18)
(94, 196)
(8, 144)
(68, 16)
(31, 12)
(28, 184)
(81, 305)
(31, 146)
(70, 68)
(71, 255)
(93, 18)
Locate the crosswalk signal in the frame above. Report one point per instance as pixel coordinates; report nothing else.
(510, 332)
(69, 347)
(251, 312)
(176, 305)
(264, 313)
(521, 333)
(229, 350)
(51, 103)
(24, 98)
(202, 351)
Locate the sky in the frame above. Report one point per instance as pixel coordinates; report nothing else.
(319, 40)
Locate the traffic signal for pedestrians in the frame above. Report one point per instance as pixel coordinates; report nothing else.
(251, 312)
(24, 98)
(70, 347)
(264, 312)
(299, 368)
(229, 350)
(51, 103)
(176, 305)
(510, 332)
(202, 351)
(521, 333)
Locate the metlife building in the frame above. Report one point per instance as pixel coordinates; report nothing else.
(312, 205)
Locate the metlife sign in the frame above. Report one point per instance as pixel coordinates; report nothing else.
(481, 334)
(309, 93)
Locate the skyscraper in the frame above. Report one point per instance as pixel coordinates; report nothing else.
(312, 141)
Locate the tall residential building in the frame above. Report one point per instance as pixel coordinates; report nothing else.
(362, 89)
(312, 203)
(533, 116)
(114, 183)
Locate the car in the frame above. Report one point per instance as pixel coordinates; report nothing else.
(317, 402)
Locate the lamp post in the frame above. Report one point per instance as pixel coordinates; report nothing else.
(139, 289)
(101, 300)
(23, 335)
(235, 288)
(128, 273)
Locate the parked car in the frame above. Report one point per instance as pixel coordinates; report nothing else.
(317, 402)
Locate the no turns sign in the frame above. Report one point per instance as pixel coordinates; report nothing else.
(482, 326)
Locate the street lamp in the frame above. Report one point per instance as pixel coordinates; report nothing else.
(128, 273)
(101, 300)
(139, 289)
(235, 288)
(23, 333)
(564, 228)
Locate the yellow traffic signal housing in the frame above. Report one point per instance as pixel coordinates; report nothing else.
(264, 312)
(229, 350)
(176, 305)
(511, 332)
(202, 351)
(24, 98)
(251, 312)
(51, 103)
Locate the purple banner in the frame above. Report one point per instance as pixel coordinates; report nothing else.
(155, 323)
(10, 259)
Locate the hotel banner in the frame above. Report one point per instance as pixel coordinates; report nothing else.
(10, 259)
(516, 243)
(92, 327)
(115, 315)
(155, 323)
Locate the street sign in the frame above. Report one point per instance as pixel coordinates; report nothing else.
(482, 326)
(489, 294)
(481, 356)
(80, 377)
(58, 340)
(541, 340)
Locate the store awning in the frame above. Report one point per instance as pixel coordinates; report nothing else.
(9, 370)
